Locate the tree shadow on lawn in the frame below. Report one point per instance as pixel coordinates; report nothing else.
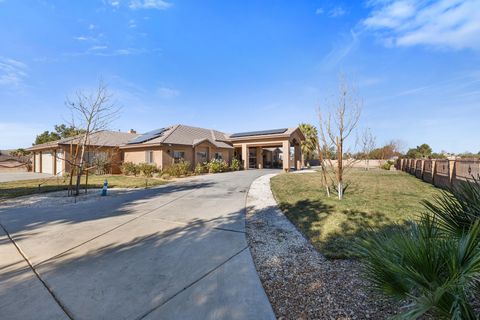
(335, 233)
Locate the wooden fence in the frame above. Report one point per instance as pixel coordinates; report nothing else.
(441, 172)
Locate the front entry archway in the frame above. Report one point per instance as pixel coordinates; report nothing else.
(264, 149)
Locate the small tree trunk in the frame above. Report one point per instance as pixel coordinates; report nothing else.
(80, 165)
(340, 167)
(322, 166)
(86, 181)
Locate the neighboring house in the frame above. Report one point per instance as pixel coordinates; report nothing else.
(9, 163)
(166, 146)
(56, 157)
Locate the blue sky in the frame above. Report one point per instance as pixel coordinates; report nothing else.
(245, 65)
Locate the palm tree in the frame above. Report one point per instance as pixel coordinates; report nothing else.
(309, 146)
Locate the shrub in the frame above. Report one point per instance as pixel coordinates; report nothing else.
(236, 165)
(129, 168)
(387, 165)
(102, 166)
(216, 165)
(458, 209)
(434, 263)
(147, 169)
(165, 176)
(201, 168)
(179, 169)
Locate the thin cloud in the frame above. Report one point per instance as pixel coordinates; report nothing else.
(102, 51)
(319, 11)
(167, 93)
(113, 3)
(12, 72)
(96, 48)
(149, 4)
(337, 12)
(452, 24)
(82, 38)
(341, 50)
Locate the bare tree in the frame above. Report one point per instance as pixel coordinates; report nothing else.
(91, 112)
(337, 123)
(367, 145)
(399, 146)
(323, 167)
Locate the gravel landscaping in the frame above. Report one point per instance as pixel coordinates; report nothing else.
(299, 281)
(60, 198)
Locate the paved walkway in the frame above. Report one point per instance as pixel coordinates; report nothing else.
(174, 252)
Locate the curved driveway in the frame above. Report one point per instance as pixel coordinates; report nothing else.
(174, 252)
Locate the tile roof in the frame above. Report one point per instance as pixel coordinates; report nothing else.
(188, 135)
(102, 138)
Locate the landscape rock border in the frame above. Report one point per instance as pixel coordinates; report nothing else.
(300, 283)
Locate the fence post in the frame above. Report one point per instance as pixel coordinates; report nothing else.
(451, 167)
(433, 171)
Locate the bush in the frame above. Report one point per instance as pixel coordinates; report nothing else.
(102, 166)
(179, 169)
(147, 169)
(129, 168)
(236, 165)
(434, 263)
(216, 165)
(166, 176)
(201, 168)
(387, 165)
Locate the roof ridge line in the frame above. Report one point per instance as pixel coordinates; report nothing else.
(213, 135)
(175, 127)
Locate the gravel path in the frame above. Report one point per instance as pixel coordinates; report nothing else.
(299, 281)
(60, 198)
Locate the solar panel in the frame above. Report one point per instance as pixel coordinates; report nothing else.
(148, 136)
(258, 133)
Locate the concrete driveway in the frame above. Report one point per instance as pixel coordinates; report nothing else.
(16, 176)
(174, 252)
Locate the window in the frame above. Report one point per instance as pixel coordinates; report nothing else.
(149, 156)
(178, 156)
(201, 156)
(91, 156)
(218, 156)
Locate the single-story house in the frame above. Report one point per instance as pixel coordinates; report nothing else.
(165, 146)
(179, 142)
(56, 157)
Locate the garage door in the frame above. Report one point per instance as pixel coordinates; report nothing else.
(37, 162)
(59, 160)
(47, 162)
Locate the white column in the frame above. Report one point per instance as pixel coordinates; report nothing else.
(286, 155)
(245, 156)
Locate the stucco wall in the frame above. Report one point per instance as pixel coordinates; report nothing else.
(138, 155)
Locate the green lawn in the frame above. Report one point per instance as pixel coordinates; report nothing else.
(26, 187)
(375, 198)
